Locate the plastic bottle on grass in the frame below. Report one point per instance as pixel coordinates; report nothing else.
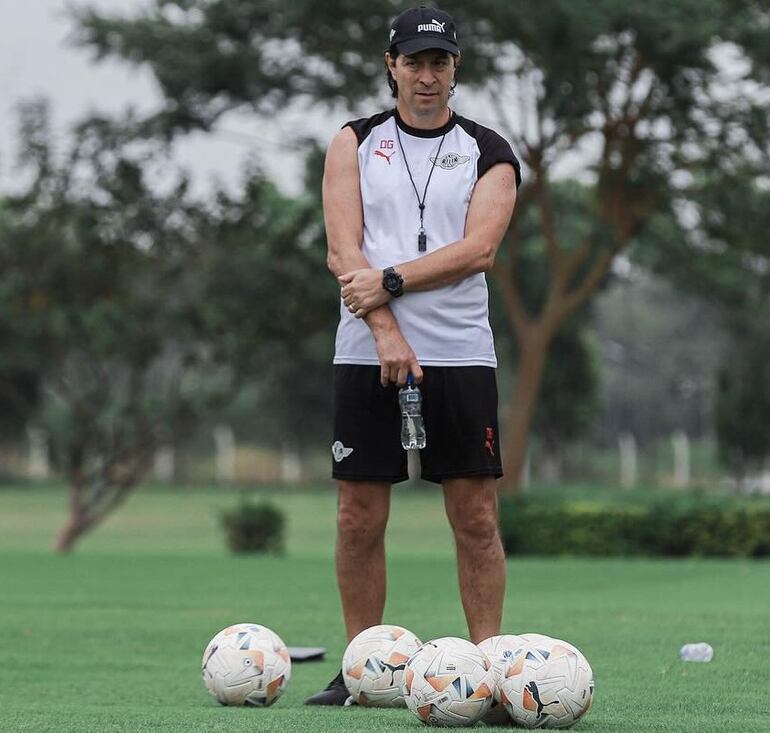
(700, 652)
(412, 426)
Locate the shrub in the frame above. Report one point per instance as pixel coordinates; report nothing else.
(255, 528)
(675, 528)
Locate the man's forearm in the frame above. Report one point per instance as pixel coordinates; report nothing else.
(344, 259)
(447, 265)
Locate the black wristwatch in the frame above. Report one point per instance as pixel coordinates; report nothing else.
(392, 282)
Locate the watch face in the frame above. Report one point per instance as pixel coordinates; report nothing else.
(391, 281)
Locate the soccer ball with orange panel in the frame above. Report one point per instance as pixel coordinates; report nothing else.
(246, 664)
(547, 683)
(374, 662)
(449, 682)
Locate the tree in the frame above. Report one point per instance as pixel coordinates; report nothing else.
(111, 297)
(568, 399)
(266, 289)
(636, 89)
(661, 347)
(722, 254)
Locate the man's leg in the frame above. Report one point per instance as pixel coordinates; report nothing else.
(362, 515)
(471, 506)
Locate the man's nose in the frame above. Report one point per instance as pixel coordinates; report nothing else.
(426, 76)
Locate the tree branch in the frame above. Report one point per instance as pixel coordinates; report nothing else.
(547, 221)
(504, 274)
(599, 269)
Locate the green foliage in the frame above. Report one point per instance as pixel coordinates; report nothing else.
(668, 528)
(96, 303)
(724, 257)
(138, 312)
(274, 304)
(255, 528)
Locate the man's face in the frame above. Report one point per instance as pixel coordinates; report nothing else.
(424, 80)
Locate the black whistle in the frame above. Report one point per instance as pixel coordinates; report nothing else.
(422, 242)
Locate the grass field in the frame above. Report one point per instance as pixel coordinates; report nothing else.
(110, 638)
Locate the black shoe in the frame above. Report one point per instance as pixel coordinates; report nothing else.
(335, 693)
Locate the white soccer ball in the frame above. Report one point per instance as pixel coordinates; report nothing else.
(246, 664)
(541, 641)
(373, 665)
(548, 684)
(449, 682)
(499, 649)
(532, 638)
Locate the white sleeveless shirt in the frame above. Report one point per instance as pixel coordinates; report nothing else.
(447, 326)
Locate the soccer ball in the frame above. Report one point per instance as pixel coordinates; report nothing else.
(535, 639)
(373, 665)
(540, 639)
(449, 682)
(499, 649)
(547, 684)
(246, 664)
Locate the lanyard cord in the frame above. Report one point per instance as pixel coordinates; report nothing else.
(422, 240)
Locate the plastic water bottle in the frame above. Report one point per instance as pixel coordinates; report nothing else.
(700, 652)
(412, 426)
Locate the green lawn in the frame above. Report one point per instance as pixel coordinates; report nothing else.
(110, 638)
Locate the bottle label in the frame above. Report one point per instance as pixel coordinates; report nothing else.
(412, 397)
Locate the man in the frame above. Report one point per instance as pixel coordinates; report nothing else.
(416, 202)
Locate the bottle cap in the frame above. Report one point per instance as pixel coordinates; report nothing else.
(409, 379)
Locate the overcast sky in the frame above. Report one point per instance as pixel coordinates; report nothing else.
(37, 59)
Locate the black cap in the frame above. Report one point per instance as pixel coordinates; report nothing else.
(423, 28)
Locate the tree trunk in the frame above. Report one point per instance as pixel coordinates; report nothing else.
(77, 522)
(89, 510)
(76, 526)
(533, 351)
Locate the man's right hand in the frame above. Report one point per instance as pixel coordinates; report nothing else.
(397, 359)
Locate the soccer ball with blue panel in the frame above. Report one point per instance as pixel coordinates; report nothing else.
(499, 649)
(449, 682)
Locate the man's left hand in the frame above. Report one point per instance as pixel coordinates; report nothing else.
(361, 291)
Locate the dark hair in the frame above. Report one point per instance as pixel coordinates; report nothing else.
(394, 85)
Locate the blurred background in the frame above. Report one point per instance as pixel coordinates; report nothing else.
(166, 316)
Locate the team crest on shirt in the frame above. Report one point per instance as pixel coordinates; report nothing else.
(450, 161)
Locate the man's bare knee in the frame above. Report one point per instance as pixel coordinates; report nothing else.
(478, 530)
(473, 516)
(362, 513)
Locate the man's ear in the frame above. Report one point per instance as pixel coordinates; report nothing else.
(390, 62)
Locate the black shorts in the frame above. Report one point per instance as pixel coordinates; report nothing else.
(459, 407)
